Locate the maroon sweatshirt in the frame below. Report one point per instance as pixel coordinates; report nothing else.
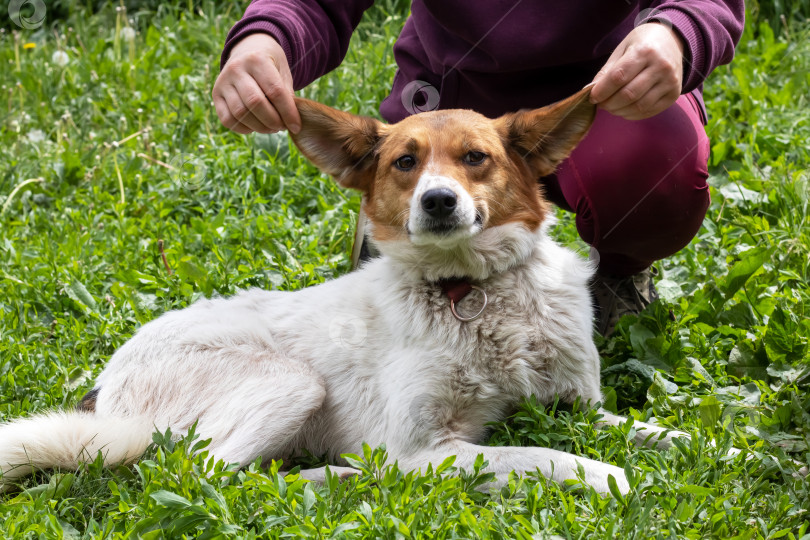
(493, 56)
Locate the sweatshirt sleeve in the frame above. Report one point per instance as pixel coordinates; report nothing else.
(710, 30)
(314, 34)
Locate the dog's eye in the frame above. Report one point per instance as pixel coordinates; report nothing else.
(405, 163)
(474, 158)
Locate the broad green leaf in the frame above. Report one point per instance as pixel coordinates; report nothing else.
(701, 372)
(634, 367)
(78, 292)
(661, 387)
(187, 269)
(170, 500)
(614, 490)
(787, 373)
(156, 534)
(344, 527)
(639, 334)
(670, 291)
(783, 341)
(710, 411)
(215, 496)
(750, 261)
(186, 523)
(309, 498)
(303, 530)
(446, 464)
(746, 360)
(700, 491)
(609, 399)
(749, 392)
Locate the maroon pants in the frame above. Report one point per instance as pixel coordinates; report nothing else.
(638, 188)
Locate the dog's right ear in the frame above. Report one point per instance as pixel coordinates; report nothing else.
(339, 143)
(544, 137)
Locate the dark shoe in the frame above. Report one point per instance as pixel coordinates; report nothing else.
(616, 297)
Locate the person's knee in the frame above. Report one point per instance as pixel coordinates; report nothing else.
(639, 188)
(651, 210)
(665, 211)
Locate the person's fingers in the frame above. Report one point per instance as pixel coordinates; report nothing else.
(631, 92)
(254, 91)
(278, 89)
(614, 57)
(641, 108)
(223, 93)
(258, 105)
(618, 76)
(226, 117)
(657, 100)
(605, 81)
(240, 112)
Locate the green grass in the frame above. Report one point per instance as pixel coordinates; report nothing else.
(723, 356)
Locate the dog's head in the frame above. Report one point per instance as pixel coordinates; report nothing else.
(450, 192)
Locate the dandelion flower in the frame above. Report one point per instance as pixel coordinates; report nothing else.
(60, 58)
(127, 33)
(35, 136)
(29, 46)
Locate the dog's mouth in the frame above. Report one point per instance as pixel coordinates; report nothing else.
(441, 227)
(450, 229)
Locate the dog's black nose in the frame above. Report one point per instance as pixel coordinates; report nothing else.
(439, 203)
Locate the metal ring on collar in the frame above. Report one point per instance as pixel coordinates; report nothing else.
(480, 311)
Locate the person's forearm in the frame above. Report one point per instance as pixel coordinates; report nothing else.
(314, 34)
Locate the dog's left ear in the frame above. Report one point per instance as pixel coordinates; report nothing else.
(544, 137)
(338, 143)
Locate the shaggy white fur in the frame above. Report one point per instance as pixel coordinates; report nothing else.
(375, 356)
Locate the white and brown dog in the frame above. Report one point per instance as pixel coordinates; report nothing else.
(454, 207)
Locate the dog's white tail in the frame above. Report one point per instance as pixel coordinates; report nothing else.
(65, 439)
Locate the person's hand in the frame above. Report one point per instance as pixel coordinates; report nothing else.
(254, 91)
(643, 76)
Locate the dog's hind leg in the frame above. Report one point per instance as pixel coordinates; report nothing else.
(657, 437)
(553, 464)
(646, 434)
(263, 416)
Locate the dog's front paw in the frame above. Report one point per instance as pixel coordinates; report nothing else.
(598, 478)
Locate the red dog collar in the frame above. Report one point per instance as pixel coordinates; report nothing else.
(456, 289)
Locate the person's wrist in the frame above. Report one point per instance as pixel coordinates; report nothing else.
(254, 41)
(261, 41)
(675, 36)
(680, 42)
